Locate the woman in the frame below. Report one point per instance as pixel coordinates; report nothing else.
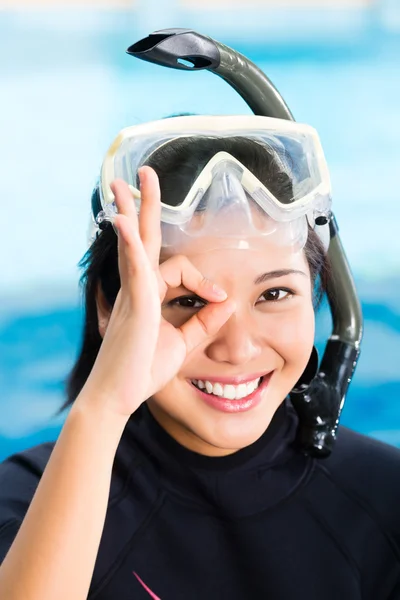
(176, 474)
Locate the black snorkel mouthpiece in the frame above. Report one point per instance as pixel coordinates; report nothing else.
(319, 398)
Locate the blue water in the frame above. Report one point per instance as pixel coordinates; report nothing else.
(67, 88)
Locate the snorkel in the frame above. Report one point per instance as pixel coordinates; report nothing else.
(320, 395)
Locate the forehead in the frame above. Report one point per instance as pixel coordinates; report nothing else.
(233, 263)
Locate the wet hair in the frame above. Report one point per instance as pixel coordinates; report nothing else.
(177, 164)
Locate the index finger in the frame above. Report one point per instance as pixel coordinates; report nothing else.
(179, 271)
(206, 323)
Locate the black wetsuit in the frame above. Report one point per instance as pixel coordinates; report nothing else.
(264, 523)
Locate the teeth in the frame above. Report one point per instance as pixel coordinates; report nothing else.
(230, 392)
(251, 387)
(217, 389)
(241, 391)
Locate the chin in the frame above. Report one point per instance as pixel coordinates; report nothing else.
(231, 432)
(206, 430)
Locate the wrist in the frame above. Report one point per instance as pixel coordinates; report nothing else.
(98, 416)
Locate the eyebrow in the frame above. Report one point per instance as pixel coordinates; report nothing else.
(278, 273)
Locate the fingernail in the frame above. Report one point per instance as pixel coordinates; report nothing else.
(219, 291)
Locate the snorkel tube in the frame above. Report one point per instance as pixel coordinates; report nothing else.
(319, 396)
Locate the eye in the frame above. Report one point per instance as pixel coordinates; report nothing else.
(188, 302)
(277, 294)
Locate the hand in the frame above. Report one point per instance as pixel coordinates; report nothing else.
(141, 352)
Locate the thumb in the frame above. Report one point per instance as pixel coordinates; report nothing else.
(206, 323)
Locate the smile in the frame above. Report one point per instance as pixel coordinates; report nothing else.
(230, 397)
(228, 391)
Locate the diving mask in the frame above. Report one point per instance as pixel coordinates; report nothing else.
(226, 201)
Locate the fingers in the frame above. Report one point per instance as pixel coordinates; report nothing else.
(206, 323)
(139, 242)
(138, 234)
(131, 254)
(124, 200)
(150, 214)
(178, 271)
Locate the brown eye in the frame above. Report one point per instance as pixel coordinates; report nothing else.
(276, 294)
(188, 302)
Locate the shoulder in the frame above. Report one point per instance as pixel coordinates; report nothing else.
(31, 462)
(19, 477)
(32, 459)
(367, 472)
(358, 455)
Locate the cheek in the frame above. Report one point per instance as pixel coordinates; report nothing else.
(291, 335)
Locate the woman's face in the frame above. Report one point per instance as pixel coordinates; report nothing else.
(270, 335)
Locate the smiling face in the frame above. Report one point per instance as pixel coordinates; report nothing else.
(212, 405)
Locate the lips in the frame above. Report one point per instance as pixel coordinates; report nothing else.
(237, 405)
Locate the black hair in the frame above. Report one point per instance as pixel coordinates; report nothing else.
(177, 164)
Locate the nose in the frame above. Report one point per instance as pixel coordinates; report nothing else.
(236, 343)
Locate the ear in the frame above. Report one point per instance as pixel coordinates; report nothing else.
(103, 311)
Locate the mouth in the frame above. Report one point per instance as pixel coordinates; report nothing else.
(229, 391)
(230, 397)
